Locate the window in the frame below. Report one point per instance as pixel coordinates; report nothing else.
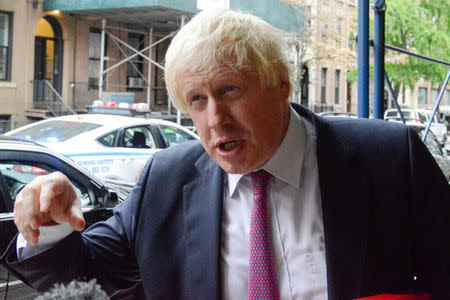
(109, 139)
(324, 32)
(174, 136)
(138, 137)
(352, 41)
(323, 86)
(135, 81)
(422, 117)
(339, 25)
(337, 79)
(5, 123)
(95, 40)
(161, 98)
(14, 175)
(54, 131)
(422, 96)
(5, 45)
(434, 95)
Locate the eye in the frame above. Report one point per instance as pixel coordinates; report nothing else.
(195, 98)
(229, 89)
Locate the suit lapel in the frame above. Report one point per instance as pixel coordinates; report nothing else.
(202, 200)
(344, 191)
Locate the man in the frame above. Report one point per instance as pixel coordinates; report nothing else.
(274, 202)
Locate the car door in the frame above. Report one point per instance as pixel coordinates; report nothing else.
(130, 148)
(18, 168)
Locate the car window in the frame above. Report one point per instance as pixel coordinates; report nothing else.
(54, 131)
(137, 137)
(174, 136)
(108, 140)
(391, 114)
(17, 175)
(422, 117)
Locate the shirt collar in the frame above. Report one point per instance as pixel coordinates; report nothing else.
(286, 163)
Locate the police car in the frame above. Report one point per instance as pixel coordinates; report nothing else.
(112, 147)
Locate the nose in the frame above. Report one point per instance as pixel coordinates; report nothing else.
(218, 113)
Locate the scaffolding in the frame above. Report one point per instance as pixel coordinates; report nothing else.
(128, 58)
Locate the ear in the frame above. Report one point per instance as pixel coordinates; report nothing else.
(285, 89)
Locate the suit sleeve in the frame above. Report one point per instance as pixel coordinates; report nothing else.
(104, 251)
(431, 218)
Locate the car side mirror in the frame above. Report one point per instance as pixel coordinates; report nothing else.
(108, 198)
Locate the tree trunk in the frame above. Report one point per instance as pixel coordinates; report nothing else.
(397, 91)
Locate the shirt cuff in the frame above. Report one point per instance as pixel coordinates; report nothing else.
(48, 237)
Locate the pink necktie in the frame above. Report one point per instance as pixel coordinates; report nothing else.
(262, 281)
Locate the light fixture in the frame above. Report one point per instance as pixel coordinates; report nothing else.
(35, 4)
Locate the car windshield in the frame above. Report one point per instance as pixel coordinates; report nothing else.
(54, 131)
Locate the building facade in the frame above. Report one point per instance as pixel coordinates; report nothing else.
(52, 52)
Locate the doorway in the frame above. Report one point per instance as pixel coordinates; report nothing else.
(304, 86)
(48, 54)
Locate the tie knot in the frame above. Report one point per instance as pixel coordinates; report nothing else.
(260, 179)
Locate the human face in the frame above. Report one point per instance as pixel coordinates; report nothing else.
(240, 122)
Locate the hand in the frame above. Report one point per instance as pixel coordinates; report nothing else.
(47, 200)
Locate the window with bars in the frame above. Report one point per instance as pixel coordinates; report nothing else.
(422, 96)
(135, 66)
(160, 93)
(434, 95)
(95, 40)
(5, 123)
(5, 45)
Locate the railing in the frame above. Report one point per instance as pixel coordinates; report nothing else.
(46, 97)
(5, 125)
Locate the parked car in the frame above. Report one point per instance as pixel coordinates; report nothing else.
(422, 116)
(22, 161)
(337, 114)
(433, 146)
(112, 147)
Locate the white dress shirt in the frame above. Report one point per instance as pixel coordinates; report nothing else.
(294, 207)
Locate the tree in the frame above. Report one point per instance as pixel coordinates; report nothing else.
(422, 27)
(322, 35)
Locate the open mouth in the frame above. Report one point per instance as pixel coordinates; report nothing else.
(228, 146)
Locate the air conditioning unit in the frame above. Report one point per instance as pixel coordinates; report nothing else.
(135, 82)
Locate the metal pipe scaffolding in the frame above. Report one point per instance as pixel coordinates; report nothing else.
(363, 58)
(378, 59)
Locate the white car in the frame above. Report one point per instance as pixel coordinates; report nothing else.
(423, 116)
(110, 146)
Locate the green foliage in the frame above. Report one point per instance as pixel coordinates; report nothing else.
(422, 27)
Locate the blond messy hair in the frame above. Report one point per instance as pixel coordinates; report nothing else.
(224, 37)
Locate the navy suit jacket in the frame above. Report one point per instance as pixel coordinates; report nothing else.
(386, 214)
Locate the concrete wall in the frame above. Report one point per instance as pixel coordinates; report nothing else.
(15, 94)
